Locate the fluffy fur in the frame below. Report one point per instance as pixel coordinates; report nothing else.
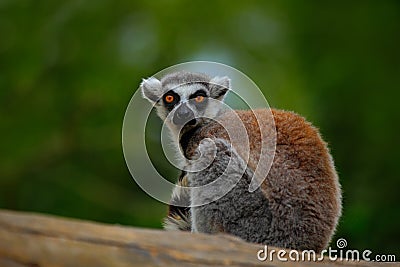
(298, 204)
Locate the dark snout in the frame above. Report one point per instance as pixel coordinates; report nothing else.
(183, 114)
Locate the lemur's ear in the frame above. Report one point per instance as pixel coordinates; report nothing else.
(151, 89)
(219, 86)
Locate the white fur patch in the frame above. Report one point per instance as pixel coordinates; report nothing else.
(151, 89)
(152, 83)
(185, 91)
(223, 81)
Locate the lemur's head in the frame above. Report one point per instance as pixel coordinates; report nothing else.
(184, 99)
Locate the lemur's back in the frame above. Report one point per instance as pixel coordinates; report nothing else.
(301, 188)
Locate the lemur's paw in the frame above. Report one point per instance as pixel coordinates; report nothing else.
(209, 148)
(206, 150)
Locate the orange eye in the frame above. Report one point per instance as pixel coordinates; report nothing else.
(199, 98)
(169, 98)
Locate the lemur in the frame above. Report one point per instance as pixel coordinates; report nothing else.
(297, 206)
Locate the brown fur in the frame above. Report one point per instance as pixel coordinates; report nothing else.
(302, 185)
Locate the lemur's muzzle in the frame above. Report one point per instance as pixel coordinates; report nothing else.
(183, 114)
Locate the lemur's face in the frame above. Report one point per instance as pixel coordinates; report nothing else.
(184, 100)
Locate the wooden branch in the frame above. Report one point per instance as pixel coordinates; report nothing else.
(28, 239)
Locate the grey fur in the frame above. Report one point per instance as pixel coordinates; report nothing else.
(153, 89)
(239, 212)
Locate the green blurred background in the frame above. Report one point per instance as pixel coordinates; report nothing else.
(69, 68)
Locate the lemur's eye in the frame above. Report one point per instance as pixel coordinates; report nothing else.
(199, 98)
(169, 98)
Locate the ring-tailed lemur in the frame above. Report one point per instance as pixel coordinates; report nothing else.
(298, 204)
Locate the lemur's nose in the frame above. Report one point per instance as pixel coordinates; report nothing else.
(183, 114)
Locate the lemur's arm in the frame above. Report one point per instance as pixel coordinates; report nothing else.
(238, 209)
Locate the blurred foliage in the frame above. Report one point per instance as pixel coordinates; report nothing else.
(69, 68)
